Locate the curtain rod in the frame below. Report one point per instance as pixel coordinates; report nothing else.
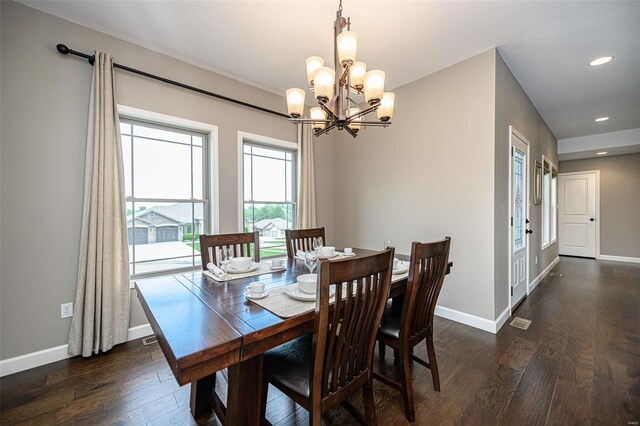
(62, 48)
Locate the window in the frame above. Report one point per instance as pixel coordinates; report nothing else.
(269, 193)
(167, 195)
(549, 203)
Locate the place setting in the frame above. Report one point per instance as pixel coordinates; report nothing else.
(325, 252)
(230, 267)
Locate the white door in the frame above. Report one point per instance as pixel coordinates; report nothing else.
(519, 210)
(577, 214)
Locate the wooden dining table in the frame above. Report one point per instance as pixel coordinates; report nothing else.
(204, 326)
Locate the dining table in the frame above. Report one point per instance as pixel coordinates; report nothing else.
(204, 326)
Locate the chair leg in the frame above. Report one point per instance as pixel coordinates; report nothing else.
(396, 356)
(369, 405)
(263, 400)
(407, 391)
(431, 352)
(381, 349)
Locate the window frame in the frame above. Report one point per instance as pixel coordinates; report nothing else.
(210, 189)
(268, 143)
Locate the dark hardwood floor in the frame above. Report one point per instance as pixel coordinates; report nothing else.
(578, 363)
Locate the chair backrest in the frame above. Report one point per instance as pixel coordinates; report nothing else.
(302, 239)
(345, 332)
(244, 244)
(428, 267)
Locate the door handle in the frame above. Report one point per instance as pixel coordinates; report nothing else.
(529, 231)
(592, 219)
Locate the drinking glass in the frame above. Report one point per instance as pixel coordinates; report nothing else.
(387, 244)
(223, 258)
(311, 260)
(317, 244)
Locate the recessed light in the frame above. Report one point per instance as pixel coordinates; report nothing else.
(601, 153)
(601, 119)
(601, 61)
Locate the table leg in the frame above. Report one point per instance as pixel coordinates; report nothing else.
(201, 395)
(245, 391)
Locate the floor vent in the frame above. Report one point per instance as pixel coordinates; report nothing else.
(520, 323)
(149, 340)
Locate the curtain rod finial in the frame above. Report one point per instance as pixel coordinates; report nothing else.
(62, 48)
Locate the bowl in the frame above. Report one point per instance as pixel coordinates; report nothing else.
(240, 263)
(328, 251)
(308, 283)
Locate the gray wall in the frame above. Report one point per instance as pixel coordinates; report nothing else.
(513, 107)
(427, 176)
(44, 119)
(619, 201)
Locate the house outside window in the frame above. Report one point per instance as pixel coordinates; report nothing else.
(269, 192)
(166, 195)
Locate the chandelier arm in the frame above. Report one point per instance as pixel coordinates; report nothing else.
(325, 130)
(376, 124)
(328, 111)
(309, 121)
(364, 112)
(351, 132)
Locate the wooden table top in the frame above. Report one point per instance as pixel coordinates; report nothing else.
(204, 325)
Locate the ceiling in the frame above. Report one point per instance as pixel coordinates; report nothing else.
(547, 45)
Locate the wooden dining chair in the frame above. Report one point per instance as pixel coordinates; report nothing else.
(301, 239)
(321, 370)
(244, 244)
(402, 329)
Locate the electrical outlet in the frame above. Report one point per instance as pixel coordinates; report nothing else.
(536, 260)
(66, 310)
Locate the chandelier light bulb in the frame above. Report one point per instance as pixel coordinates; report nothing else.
(347, 42)
(295, 102)
(317, 113)
(373, 86)
(385, 110)
(356, 74)
(313, 63)
(355, 123)
(323, 81)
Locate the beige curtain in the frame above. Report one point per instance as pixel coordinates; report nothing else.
(101, 310)
(307, 186)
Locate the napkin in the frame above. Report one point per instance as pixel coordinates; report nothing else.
(300, 253)
(215, 270)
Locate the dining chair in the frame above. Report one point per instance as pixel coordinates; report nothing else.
(321, 370)
(402, 329)
(244, 244)
(301, 239)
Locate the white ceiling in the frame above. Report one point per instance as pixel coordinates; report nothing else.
(547, 45)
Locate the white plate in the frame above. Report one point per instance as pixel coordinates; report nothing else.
(278, 268)
(250, 295)
(401, 269)
(251, 268)
(295, 292)
(335, 253)
(347, 255)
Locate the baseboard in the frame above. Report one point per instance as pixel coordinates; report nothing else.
(47, 356)
(472, 320)
(139, 331)
(618, 258)
(502, 319)
(543, 274)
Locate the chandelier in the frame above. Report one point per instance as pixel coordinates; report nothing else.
(334, 88)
